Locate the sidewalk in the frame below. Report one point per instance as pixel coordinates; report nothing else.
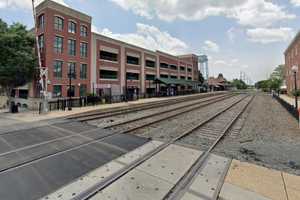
(33, 116)
(289, 99)
(248, 181)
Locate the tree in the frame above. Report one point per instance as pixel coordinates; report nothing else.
(278, 73)
(263, 84)
(239, 84)
(18, 59)
(200, 78)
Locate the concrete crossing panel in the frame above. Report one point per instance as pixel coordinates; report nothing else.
(135, 185)
(171, 163)
(211, 177)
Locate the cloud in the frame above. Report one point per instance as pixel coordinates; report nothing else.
(23, 4)
(255, 13)
(295, 2)
(270, 35)
(211, 46)
(149, 37)
(227, 63)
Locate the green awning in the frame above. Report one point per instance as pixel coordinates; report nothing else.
(170, 81)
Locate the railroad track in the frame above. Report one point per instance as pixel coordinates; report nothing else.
(231, 112)
(130, 125)
(86, 135)
(99, 114)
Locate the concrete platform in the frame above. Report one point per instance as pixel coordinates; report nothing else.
(256, 182)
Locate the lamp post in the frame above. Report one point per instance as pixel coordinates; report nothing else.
(70, 88)
(295, 69)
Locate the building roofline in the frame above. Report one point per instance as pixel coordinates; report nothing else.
(187, 55)
(292, 42)
(64, 9)
(138, 47)
(124, 43)
(166, 54)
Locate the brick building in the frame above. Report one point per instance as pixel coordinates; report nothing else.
(99, 64)
(292, 58)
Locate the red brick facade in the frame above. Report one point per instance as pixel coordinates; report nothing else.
(96, 43)
(292, 58)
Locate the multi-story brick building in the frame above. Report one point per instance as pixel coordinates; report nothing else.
(99, 64)
(292, 58)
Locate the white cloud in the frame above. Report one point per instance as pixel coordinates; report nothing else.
(256, 13)
(22, 4)
(149, 37)
(227, 63)
(270, 35)
(295, 2)
(211, 46)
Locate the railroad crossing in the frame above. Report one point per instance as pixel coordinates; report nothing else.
(156, 150)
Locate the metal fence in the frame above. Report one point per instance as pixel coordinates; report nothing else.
(63, 103)
(290, 108)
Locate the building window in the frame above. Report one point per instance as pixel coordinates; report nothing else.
(132, 76)
(150, 77)
(173, 77)
(83, 31)
(72, 47)
(108, 74)
(57, 69)
(174, 67)
(58, 23)
(58, 44)
(41, 42)
(72, 70)
(182, 68)
(182, 77)
(150, 63)
(133, 60)
(189, 78)
(82, 90)
(164, 76)
(164, 65)
(105, 55)
(83, 71)
(83, 49)
(41, 21)
(56, 91)
(72, 91)
(189, 69)
(72, 27)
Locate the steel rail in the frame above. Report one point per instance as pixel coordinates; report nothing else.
(210, 100)
(179, 189)
(42, 157)
(95, 189)
(134, 108)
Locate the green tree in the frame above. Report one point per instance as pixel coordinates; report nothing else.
(239, 84)
(278, 73)
(18, 59)
(200, 78)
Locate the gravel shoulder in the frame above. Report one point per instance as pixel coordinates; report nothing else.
(269, 136)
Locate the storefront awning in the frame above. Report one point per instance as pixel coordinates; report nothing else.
(170, 81)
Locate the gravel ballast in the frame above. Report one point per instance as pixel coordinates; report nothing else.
(269, 136)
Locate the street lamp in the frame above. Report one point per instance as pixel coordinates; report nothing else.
(70, 88)
(295, 69)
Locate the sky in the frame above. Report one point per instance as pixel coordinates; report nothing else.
(236, 35)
